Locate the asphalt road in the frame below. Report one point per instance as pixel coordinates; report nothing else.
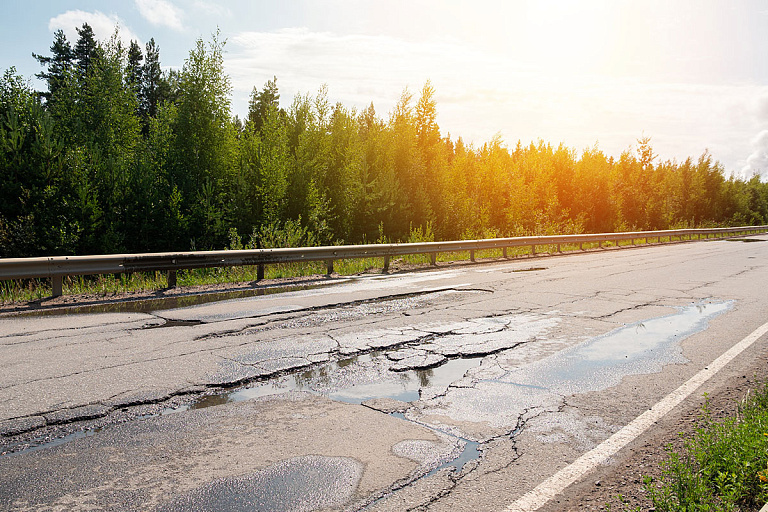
(457, 388)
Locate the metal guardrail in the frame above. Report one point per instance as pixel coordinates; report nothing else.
(56, 267)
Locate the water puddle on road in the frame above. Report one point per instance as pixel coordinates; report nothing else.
(470, 452)
(358, 379)
(599, 363)
(353, 380)
(639, 348)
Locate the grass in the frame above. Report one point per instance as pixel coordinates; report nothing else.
(723, 466)
(36, 289)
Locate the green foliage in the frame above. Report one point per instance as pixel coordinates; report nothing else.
(262, 102)
(204, 145)
(37, 216)
(724, 466)
(116, 155)
(289, 234)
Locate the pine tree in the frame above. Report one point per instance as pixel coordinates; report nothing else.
(134, 68)
(85, 49)
(58, 65)
(151, 82)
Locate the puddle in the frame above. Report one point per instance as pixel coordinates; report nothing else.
(470, 452)
(329, 380)
(596, 364)
(161, 303)
(410, 385)
(353, 380)
(639, 348)
(744, 240)
(35, 445)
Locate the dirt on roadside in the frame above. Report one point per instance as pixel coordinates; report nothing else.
(158, 299)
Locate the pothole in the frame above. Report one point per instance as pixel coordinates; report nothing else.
(325, 482)
(599, 363)
(353, 380)
(174, 323)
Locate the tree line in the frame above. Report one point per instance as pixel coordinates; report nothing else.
(117, 155)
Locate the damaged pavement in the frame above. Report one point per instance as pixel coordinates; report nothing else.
(435, 390)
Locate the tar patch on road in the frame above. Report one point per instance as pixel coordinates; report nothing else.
(299, 484)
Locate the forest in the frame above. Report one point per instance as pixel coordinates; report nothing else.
(117, 155)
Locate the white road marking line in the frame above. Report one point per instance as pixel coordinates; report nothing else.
(551, 487)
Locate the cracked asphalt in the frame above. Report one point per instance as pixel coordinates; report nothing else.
(456, 388)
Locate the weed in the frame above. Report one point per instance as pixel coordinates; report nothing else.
(723, 466)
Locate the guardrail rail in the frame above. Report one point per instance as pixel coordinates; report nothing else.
(57, 267)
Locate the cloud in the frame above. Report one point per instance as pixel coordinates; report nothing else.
(480, 93)
(361, 67)
(762, 109)
(757, 162)
(160, 13)
(103, 25)
(211, 9)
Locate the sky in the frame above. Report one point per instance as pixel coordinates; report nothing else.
(690, 74)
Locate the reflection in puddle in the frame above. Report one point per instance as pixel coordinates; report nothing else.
(410, 384)
(353, 380)
(639, 348)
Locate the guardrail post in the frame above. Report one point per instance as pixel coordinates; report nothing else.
(57, 286)
(533, 250)
(471, 255)
(433, 258)
(329, 266)
(581, 246)
(558, 248)
(504, 252)
(260, 272)
(386, 263)
(599, 244)
(171, 279)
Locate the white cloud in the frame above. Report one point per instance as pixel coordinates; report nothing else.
(211, 9)
(161, 13)
(757, 162)
(481, 93)
(103, 25)
(359, 67)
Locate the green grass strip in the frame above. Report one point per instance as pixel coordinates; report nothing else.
(723, 466)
